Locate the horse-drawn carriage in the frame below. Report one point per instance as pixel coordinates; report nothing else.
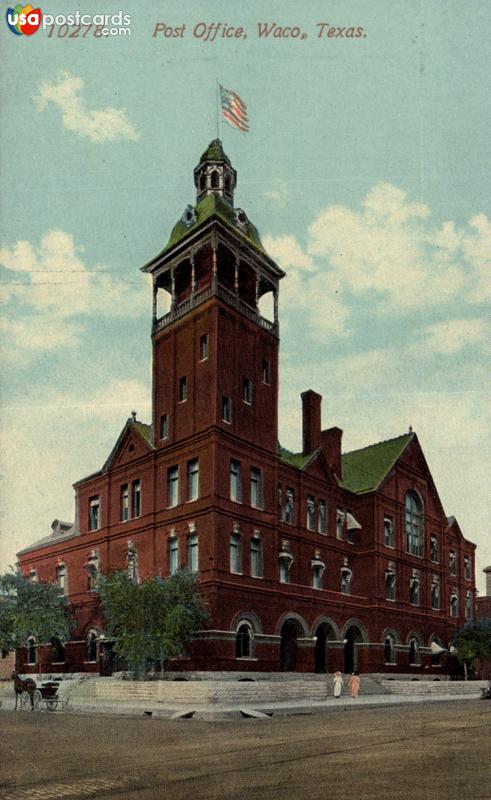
(32, 697)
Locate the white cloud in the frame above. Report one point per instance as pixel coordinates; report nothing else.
(390, 249)
(307, 291)
(48, 446)
(105, 125)
(454, 335)
(52, 285)
(287, 251)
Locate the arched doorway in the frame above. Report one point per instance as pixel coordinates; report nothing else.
(323, 634)
(352, 636)
(290, 631)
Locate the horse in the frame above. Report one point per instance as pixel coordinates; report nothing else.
(20, 685)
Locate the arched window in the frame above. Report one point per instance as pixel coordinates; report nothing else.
(62, 578)
(244, 641)
(454, 604)
(285, 560)
(414, 657)
(318, 568)
(437, 651)
(389, 650)
(132, 562)
(468, 604)
(173, 553)
(236, 552)
(92, 646)
(390, 583)
(214, 179)
(435, 592)
(414, 524)
(346, 577)
(31, 650)
(414, 585)
(256, 555)
(58, 655)
(93, 567)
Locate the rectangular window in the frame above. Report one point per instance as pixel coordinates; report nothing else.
(266, 371)
(136, 499)
(203, 347)
(467, 568)
(322, 517)
(164, 426)
(280, 502)
(94, 513)
(235, 481)
(310, 513)
(340, 524)
(226, 409)
(173, 555)
(256, 556)
(172, 487)
(124, 506)
(434, 549)
(317, 576)
(247, 391)
(183, 389)
(284, 571)
(389, 531)
(256, 488)
(236, 553)
(193, 553)
(289, 506)
(193, 479)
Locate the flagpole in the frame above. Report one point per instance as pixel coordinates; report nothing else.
(218, 109)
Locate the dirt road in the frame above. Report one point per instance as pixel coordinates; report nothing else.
(434, 752)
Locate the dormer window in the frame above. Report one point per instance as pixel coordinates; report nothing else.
(189, 216)
(241, 218)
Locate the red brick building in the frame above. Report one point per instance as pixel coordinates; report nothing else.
(308, 561)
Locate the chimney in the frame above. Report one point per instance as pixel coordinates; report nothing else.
(487, 572)
(311, 420)
(331, 447)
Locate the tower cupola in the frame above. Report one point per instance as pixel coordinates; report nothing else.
(215, 174)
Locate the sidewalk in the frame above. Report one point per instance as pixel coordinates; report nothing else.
(214, 712)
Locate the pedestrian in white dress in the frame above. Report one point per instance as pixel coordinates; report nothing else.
(337, 684)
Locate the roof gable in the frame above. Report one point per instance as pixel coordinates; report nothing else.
(135, 440)
(365, 469)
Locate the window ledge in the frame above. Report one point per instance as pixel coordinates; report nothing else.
(233, 572)
(257, 577)
(246, 658)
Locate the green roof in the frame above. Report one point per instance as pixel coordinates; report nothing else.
(297, 460)
(214, 207)
(365, 469)
(215, 152)
(145, 431)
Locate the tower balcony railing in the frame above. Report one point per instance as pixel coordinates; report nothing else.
(195, 299)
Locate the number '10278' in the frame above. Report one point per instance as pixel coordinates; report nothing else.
(82, 31)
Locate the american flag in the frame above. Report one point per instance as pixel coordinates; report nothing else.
(234, 109)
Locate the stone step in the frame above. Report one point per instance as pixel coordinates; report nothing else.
(444, 688)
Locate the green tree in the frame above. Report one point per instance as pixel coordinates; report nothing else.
(473, 642)
(30, 608)
(152, 621)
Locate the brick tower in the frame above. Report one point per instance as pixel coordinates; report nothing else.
(215, 376)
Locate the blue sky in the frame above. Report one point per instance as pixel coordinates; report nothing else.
(365, 171)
